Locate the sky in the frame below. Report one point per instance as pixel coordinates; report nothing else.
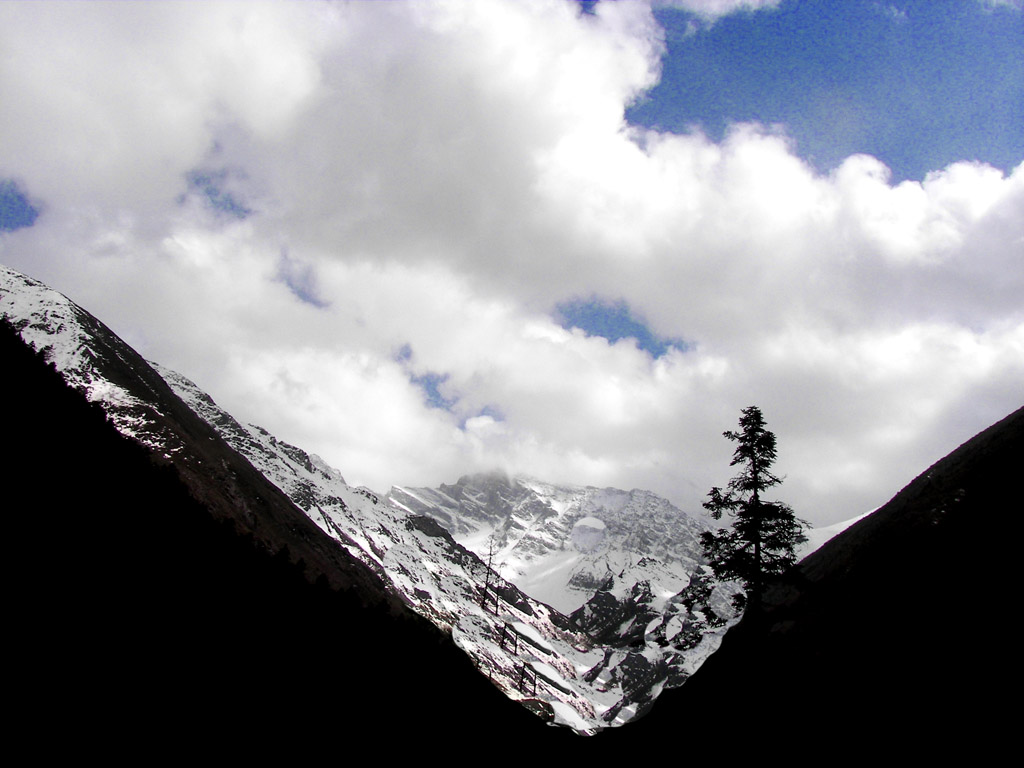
(571, 240)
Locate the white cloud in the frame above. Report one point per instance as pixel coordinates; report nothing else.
(713, 9)
(1015, 4)
(440, 175)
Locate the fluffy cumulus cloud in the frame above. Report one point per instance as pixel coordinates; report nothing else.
(355, 224)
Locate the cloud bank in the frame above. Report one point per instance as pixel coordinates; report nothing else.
(355, 224)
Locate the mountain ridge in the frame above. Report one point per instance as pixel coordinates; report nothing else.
(884, 630)
(288, 501)
(140, 621)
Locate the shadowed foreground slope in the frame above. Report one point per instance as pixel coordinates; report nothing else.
(891, 637)
(141, 617)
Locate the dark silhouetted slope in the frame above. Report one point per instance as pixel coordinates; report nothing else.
(139, 614)
(890, 638)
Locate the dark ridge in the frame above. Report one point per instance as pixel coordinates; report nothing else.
(140, 617)
(220, 478)
(892, 637)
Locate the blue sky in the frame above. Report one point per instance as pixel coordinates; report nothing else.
(15, 209)
(211, 186)
(586, 271)
(916, 83)
(613, 320)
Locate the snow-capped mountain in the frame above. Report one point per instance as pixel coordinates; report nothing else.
(528, 650)
(285, 497)
(888, 638)
(623, 565)
(560, 543)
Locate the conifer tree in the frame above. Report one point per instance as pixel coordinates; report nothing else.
(764, 534)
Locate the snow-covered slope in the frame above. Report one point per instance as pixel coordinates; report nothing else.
(585, 680)
(560, 543)
(530, 651)
(625, 565)
(438, 578)
(88, 355)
